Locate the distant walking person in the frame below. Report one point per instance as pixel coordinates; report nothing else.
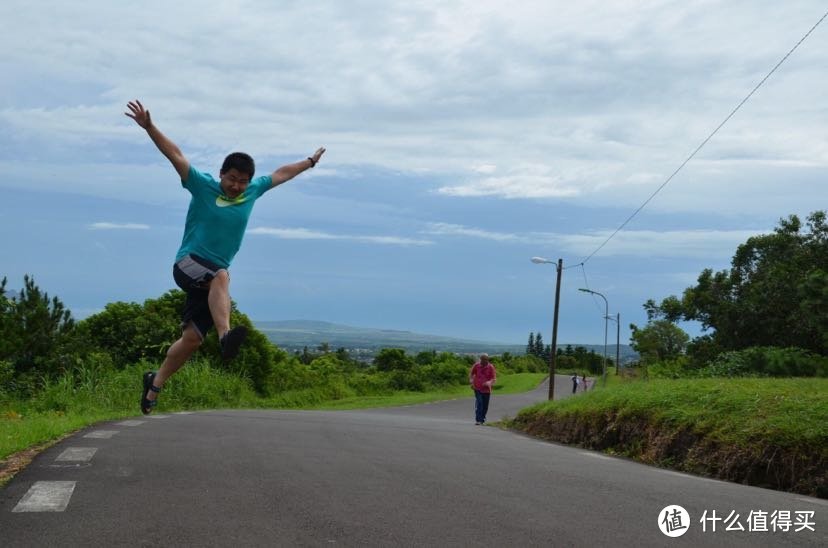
(216, 221)
(482, 378)
(584, 382)
(574, 383)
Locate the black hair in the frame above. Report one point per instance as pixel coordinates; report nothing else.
(241, 162)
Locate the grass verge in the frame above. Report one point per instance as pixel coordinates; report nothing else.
(86, 397)
(765, 432)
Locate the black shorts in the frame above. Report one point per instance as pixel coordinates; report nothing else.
(193, 274)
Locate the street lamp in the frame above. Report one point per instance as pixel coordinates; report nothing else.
(554, 348)
(617, 320)
(606, 314)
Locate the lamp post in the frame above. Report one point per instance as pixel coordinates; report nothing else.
(554, 348)
(606, 314)
(617, 320)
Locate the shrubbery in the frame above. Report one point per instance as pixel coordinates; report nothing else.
(768, 361)
(54, 360)
(528, 363)
(756, 361)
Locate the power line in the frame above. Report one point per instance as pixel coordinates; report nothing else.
(698, 148)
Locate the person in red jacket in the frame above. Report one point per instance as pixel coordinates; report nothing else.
(481, 378)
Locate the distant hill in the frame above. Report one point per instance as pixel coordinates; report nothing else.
(293, 335)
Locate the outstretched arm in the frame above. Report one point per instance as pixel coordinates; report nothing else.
(289, 171)
(167, 147)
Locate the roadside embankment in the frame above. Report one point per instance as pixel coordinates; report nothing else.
(764, 432)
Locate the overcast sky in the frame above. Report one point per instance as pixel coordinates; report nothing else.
(463, 138)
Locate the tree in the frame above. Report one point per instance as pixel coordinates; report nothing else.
(35, 330)
(530, 347)
(393, 359)
(343, 355)
(7, 327)
(776, 291)
(306, 357)
(539, 346)
(426, 357)
(131, 331)
(659, 340)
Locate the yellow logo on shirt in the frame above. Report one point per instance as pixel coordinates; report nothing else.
(224, 201)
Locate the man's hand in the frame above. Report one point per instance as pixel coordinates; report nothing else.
(289, 171)
(141, 116)
(169, 149)
(316, 155)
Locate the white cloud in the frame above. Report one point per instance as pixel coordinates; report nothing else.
(527, 183)
(486, 169)
(118, 226)
(627, 243)
(447, 229)
(294, 233)
(652, 244)
(562, 100)
(306, 234)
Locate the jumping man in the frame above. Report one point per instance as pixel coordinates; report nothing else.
(216, 221)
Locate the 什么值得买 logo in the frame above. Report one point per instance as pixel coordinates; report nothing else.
(673, 520)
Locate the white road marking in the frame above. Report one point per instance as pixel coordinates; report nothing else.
(46, 496)
(158, 416)
(77, 454)
(184, 413)
(131, 423)
(101, 434)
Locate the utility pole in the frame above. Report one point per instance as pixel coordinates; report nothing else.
(617, 342)
(554, 351)
(606, 318)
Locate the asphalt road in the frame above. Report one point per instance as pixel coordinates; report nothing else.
(422, 475)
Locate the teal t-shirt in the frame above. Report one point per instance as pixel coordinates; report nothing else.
(215, 223)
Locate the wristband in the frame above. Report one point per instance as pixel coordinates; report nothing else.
(313, 163)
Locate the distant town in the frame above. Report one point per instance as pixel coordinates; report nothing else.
(297, 336)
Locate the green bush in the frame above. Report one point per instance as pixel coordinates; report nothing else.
(675, 368)
(130, 332)
(412, 380)
(426, 357)
(446, 373)
(6, 376)
(393, 359)
(292, 374)
(768, 361)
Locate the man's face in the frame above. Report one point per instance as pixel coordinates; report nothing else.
(484, 360)
(234, 182)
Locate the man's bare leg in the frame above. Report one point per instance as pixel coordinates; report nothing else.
(219, 302)
(177, 356)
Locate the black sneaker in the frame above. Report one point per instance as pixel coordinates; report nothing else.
(232, 341)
